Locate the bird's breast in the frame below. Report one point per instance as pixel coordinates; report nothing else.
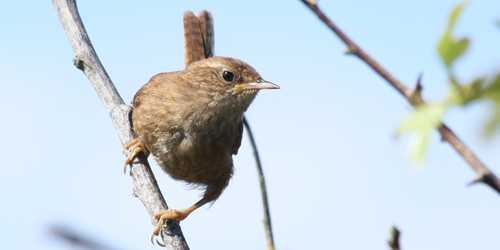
(199, 152)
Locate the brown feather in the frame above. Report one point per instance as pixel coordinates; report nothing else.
(191, 120)
(193, 39)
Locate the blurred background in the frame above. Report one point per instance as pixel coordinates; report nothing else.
(337, 178)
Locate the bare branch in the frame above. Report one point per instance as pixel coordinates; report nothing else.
(263, 189)
(487, 177)
(144, 184)
(76, 239)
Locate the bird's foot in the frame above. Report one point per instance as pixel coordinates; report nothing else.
(163, 216)
(136, 149)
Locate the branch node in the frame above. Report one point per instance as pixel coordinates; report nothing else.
(394, 240)
(443, 139)
(352, 50)
(416, 95)
(419, 83)
(475, 181)
(79, 62)
(487, 178)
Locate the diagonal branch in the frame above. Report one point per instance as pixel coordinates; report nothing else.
(144, 184)
(76, 239)
(485, 175)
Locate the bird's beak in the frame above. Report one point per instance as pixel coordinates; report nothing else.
(260, 84)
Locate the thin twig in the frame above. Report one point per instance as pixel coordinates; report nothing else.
(263, 189)
(76, 239)
(144, 183)
(485, 175)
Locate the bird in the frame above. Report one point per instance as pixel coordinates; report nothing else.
(191, 122)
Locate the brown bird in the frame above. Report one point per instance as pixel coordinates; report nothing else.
(191, 122)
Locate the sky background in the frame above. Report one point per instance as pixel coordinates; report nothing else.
(337, 178)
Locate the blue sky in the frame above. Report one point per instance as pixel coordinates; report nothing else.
(336, 176)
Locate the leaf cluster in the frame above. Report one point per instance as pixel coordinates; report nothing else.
(427, 117)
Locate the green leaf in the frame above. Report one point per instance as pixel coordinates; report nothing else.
(418, 147)
(459, 48)
(419, 125)
(449, 48)
(463, 94)
(455, 14)
(493, 124)
(476, 87)
(493, 89)
(425, 116)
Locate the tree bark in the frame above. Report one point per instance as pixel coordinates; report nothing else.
(144, 184)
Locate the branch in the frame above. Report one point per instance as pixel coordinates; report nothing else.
(263, 189)
(76, 239)
(144, 184)
(484, 173)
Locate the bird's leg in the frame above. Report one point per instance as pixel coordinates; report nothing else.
(211, 194)
(136, 149)
(172, 214)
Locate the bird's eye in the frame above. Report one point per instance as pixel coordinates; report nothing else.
(228, 76)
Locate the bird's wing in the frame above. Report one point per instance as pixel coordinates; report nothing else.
(237, 138)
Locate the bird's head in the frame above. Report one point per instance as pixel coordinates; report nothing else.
(226, 81)
(225, 74)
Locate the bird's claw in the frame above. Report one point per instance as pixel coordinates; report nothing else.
(163, 216)
(136, 149)
(157, 242)
(160, 244)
